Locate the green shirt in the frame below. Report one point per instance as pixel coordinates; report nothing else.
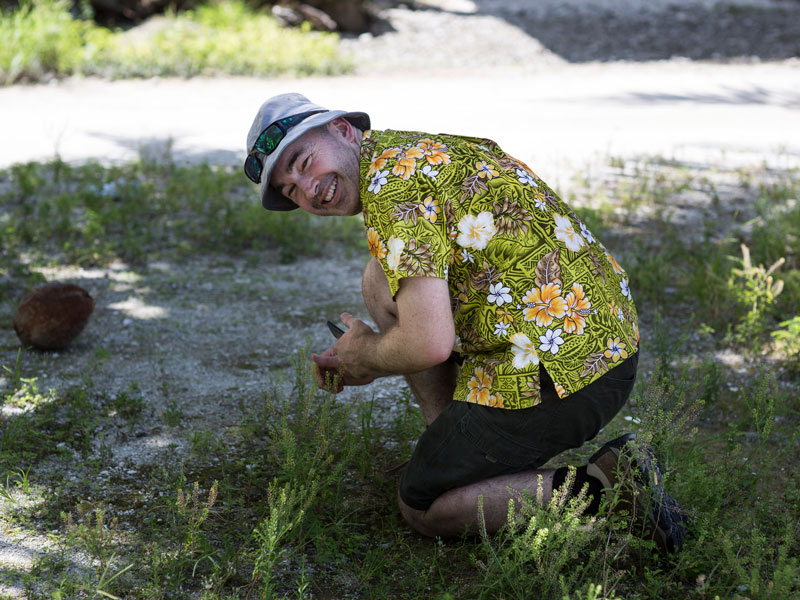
(528, 281)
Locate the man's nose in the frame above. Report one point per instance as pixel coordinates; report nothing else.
(309, 186)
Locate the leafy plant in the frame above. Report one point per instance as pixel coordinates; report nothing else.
(754, 289)
(287, 506)
(548, 548)
(788, 340)
(43, 39)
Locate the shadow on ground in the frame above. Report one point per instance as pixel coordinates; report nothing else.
(583, 32)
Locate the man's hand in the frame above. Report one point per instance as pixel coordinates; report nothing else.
(326, 371)
(421, 338)
(340, 366)
(350, 349)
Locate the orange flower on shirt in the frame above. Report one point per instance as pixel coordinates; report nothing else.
(376, 246)
(434, 152)
(544, 304)
(614, 264)
(485, 170)
(479, 386)
(462, 291)
(494, 400)
(615, 349)
(504, 316)
(578, 306)
(429, 208)
(407, 163)
(378, 163)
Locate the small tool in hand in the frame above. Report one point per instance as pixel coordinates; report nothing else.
(335, 329)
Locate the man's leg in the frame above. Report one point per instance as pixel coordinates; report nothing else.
(456, 511)
(433, 388)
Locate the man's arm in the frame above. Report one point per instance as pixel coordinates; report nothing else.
(422, 338)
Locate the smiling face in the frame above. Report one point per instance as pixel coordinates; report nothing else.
(320, 170)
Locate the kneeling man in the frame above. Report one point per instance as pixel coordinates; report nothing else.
(512, 324)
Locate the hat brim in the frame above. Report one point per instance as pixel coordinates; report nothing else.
(271, 199)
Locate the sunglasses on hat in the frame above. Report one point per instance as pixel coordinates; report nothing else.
(268, 140)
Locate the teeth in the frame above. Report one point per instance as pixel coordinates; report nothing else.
(329, 195)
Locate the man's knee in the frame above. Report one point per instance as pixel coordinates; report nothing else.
(449, 516)
(415, 518)
(377, 296)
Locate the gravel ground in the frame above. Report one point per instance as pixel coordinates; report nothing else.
(481, 34)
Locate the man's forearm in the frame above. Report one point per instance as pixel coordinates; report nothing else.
(422, 336)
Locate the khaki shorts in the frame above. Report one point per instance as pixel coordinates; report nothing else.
(470, 442)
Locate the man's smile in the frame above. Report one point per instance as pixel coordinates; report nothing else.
(329, 193)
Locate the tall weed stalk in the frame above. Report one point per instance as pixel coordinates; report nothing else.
(547, 548)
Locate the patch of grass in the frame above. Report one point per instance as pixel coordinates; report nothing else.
(298, 499)
(42, 39)
(727, 243)
(91, 215)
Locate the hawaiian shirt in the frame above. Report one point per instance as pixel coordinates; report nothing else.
(528, 282)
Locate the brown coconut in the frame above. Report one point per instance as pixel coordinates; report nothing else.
(50, 317)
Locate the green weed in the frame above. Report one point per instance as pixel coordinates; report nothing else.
(788, 341)
(89, 529)
(287, 507)
(142, 211)
(193, 514)
(42, 39)
(129, 403)
(755, 290)
(17, 479)
(173, 413)
(549, 548)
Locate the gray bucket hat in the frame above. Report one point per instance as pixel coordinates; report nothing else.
(281, 107)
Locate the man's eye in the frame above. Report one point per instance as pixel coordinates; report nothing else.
(305, 162)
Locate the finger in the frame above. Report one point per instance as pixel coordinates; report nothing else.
(347, 319)
(327, 362)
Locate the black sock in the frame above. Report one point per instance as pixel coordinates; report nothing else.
(594, 491)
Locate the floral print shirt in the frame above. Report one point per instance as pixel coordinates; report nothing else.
(529, 283)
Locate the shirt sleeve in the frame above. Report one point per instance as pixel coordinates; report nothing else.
(403, 212)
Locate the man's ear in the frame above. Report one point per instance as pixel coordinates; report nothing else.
(342, 128)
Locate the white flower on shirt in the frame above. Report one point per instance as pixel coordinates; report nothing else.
(526, 178)
(378, 181)
(524, 351)
(475, 231)
(395, 246)
(430, 172)
(551, 340)
(587, 234)
(565, 232)
(498, 294)
(501, 329)
(626, 290)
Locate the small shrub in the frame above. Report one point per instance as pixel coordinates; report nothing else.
(788, 341)
(43, 39)
(40, 38)
(548, 548)
(754, 289)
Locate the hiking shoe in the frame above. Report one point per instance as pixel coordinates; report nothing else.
(641, 492)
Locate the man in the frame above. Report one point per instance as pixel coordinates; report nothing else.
(514, 327)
